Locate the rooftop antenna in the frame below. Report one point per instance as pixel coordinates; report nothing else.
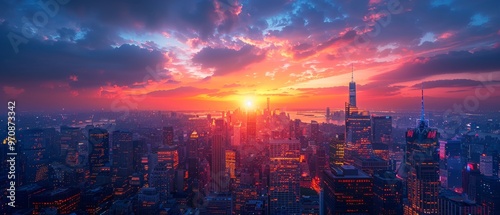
(352, 72)
(422, 113)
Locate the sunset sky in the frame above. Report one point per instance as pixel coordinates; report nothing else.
(218, 54)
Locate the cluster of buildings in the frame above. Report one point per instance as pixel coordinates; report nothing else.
(255, 162)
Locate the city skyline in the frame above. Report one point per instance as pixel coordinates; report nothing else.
(220, 54)
(236, 107)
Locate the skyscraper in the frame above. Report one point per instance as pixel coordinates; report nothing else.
(168, 136)
(99, 152)
(251, 126)
(358, 128)
(347, 190)
(122, 166)
(422, 165)
(358, 133)
(337, 147)
(388, 193)
(218, 165)
(193, 160)
(34, 157)
(284, 186)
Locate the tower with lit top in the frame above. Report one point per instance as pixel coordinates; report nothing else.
(421, 167)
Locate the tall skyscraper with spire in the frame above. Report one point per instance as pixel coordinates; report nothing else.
(421, 167)
(358, 127)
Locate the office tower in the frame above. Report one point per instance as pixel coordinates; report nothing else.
(488, 193)
(169, 155)
(97, 199)
(218, 165)
(451, 164)
(315, 133)
(70, 136)
(168, 136)
(388, 193)
(148, 201)
(451, 203)
(193, 160)
(27, 192)
(347, 190)
(486, 165)
(161, 178)
(34, 160)
(328, 113)
(231, 163)
(99, 151)
(61, 201)
(236, 140)
(470, 181)
(284, 186)
(219, 204)
(381, 136)
(381, 129)
(337, 147)
(422, 165)
(297, 128)
(122, 166)
(251, 126)
(371, 165)
(358, 134)
(242, 194)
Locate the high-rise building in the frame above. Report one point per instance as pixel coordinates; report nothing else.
(381, 129)
(64, 201)
(337, 147)
(148, 201)
(347, 190)
(34, 164)
(122, 167)
(169, 155)
(231, 163)
(421, 168)
(236, 141)
(218, 164)
(451, 203)
(381, 136)
(358, 134)
(388, 193)
(488, 194)
(251, 126)
(284, 186)
(315, 133)
(486, 165)
(168, 136)
(162, 178)
(99, 151)
(193, 159)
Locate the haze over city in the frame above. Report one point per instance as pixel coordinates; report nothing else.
(258, 107)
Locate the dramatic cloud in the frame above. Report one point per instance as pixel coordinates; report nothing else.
(225, 60)
(89, 51)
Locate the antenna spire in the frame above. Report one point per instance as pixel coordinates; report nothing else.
(422, 113)
(352, 72)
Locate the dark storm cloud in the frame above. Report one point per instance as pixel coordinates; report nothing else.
(52, 61)
(451, 63)
(225, 60)
(455, 83)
